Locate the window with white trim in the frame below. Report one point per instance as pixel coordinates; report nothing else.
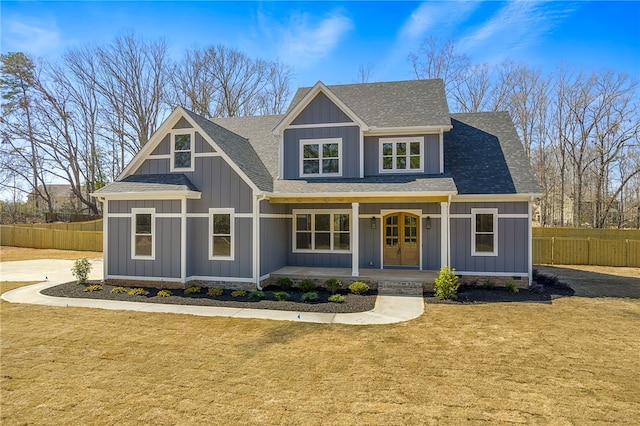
(401, 155)
(321, 157)
(321, 231)
(221, 224)
(182, 150)
(143, 230)
(484, 232)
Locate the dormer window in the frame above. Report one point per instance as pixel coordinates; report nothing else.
(321, 157)
(401, 155)
(182, 151)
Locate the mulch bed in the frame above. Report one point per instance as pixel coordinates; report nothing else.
(352, 303)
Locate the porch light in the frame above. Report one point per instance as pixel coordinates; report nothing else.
(428, 222)
(373, 222)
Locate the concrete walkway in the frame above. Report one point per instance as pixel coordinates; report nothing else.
(387, 310)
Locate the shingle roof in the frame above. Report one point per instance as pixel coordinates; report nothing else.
(239, 150)
(149, 183)
(257, 130)
(484, 155)
(379, 184)
(392, 104)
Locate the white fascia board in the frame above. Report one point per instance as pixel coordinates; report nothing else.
(152, 143)
(409, 130)
(317, 88)
(486, 198)
(151, 195)
(360, 194)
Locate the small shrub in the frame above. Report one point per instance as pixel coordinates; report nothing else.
(307, 285)
(138, 292)
(488, 284)
(311, 296)
(446, 285)
(164, 293)
(333, 285)
(215, 292)
(117, 290)
(281, 296)
(284, 283)
(238, 293)
(256, 295)
(511, 285)
(358, 287)
(81, 269)
(192, 290)
(336, 298)
(94, 287)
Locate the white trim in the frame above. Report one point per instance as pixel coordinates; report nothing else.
(105, 238)
(151, 195)
(192, 145)
(306, 100)
(232, 237)
(281, 156)
(494, 212)
(460, 216)
(134, 212)
(316, 125)
(513, 216)
(158, 215)
(159, 157)
(256, 240)
(355, 240)
(320, 142)
(441, 150)
(275, 216)
(183, 240)
(395, 141)
(206, 215)
(431, 215)
(487, 198)
(207, 154)
(361, 154)
(492, 274)
(119, 215)
(177, 280)
(530, 244)
(409, 130)
(420, 196)
(313, 213)
(444, 234)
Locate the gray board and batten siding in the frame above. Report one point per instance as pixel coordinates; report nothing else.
(513, 233)
(321, 110)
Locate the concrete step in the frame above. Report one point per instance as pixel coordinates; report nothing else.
(400, 287)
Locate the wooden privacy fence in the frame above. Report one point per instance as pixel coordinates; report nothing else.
(572, 246)
(82, 236)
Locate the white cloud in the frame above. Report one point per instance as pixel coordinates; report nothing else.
(435, 16)
(306, 40)
(35, 37)
(514, 27)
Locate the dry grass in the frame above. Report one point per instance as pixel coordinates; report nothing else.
(571, 362)
(9, 254)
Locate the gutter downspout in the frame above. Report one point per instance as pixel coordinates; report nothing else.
(530, 243)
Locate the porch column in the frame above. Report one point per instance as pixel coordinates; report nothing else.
(444, 234)
(183, 240)
(355, 239)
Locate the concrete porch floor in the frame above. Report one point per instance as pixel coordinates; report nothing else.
(376, 275)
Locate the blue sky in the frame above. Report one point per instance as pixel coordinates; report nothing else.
(329, 41)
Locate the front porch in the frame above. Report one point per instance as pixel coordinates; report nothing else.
(386, 281)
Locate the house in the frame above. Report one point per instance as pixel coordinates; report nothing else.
(357, 176)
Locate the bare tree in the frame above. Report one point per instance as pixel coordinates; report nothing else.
(438, 59)
(364, 73)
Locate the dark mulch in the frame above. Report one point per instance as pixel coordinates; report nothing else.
(352, 303)
(545, 289)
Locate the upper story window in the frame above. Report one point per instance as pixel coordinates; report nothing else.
(143, 234)
(182, 150)
(484, 232)
(321, 157)
(401, 155)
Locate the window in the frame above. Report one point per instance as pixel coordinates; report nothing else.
(322, 231)
(182, 150)
(142, 235)
(321, 157)
(484, 231)
(399, 155)
(221, 234)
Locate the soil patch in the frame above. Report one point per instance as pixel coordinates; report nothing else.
(352, 302)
